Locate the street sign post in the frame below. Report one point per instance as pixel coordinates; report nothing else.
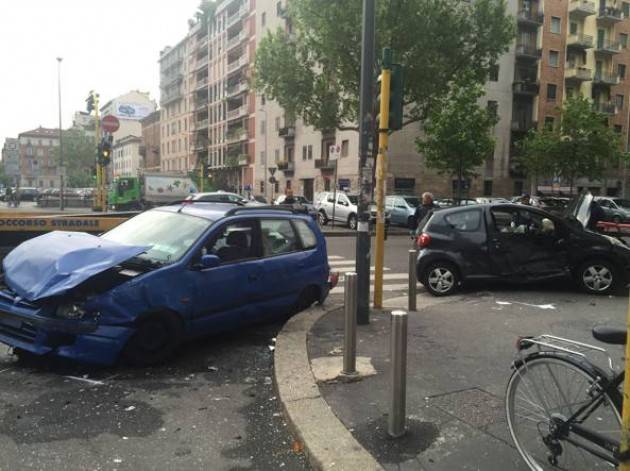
(110, 123)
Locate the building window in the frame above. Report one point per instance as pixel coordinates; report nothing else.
(263, 100)
(573, 28)
(618, 127)
(623, 39)
(619, 102)
(625, 7)
(555, 24)
(277, 124)
(279, 9)
(288, 184)
(493, 108)
(263, 19)
(263, 127)
(621, 71)
(303, 152)
(549, 120)
(310, 152)
(345, 148)
(554, 58)
(551, 92)
(494, 73)
(276, 155)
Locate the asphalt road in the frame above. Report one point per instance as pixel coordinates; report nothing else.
(213, 407)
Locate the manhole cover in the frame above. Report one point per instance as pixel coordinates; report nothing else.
(473, 406)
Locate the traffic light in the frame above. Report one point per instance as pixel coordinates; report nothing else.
(396, 86)
(90, 102)
(205, 170)
(105, 150)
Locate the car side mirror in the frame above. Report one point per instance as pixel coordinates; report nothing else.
(209, 261)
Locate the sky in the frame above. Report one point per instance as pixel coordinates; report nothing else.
(109, 46)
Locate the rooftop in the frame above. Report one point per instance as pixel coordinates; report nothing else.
(41, 132)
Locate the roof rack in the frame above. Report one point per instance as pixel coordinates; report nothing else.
(286, 209)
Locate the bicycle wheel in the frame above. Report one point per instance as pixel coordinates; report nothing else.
(544, 392)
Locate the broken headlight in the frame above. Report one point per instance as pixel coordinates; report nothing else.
(70, 311)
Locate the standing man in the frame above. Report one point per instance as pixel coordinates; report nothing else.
(424, 209)
(289, 199)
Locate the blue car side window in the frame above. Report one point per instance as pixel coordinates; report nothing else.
(234, 243)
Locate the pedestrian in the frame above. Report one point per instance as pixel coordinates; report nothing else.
(525, 199)
(597, 214)
(289, 199)
(421, 211)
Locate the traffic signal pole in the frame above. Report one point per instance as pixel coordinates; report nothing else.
(365, 163)
(99, 167)
(381, 174)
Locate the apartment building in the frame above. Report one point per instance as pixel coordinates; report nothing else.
(150, 148)
(129, 108)
(11, 159)
(175, 126)
(38, 165)
(126, 159)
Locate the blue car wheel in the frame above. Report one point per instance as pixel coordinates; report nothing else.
(156, 338)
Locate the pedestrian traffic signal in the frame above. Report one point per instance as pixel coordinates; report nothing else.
(396, 91)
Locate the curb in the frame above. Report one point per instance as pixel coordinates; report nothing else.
(328, 444)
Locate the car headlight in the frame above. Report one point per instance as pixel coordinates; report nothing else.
(70, 311)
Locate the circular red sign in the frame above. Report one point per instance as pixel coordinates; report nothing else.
(110, 123)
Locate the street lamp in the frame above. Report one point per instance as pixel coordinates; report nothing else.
(266, 128)
(61, 170)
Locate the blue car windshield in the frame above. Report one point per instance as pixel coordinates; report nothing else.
(170, 235)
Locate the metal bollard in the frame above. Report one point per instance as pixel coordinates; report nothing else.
(413, 284)
(350, 330)
(396, 424)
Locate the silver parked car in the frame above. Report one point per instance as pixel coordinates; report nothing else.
(345, 210)
(402, 208)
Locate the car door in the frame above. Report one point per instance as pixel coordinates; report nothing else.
(284, 268)
(222, 295)
(343, 208)
(526, 244)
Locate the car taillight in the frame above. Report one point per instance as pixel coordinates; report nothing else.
(333, 279)
(423, 241)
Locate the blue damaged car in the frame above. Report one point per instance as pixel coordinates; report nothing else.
(162, 277)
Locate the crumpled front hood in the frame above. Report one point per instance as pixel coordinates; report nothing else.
(53, 263)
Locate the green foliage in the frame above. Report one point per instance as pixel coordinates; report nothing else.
(314, 72)
(584, 145)
(79, 157)
(458, 134)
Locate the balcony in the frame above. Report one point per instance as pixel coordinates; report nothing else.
(237, 113)
(603, 78)
(237, 135)
(325, 164)
(243, 159)
(580, 41)
(580, 9)
(201, 62)
(578, 74)
(200, 125)
(200, 105)
(527, 51)
(608, 48)
(530, 18)
(171, 79)
(287, 132)
(523, 125)
(171, 96)
(286, 166)
(237, 89)
(608, 16)
(201, 83)
(605, 107)
(238, 63)
(525, 88)
(236, 40)
(234, 17)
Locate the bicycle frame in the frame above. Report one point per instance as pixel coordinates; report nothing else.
(602, 386)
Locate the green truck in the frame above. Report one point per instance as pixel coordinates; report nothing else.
(148, 190)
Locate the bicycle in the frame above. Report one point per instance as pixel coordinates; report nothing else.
(563, 411)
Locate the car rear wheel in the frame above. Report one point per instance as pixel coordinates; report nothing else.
(307, 298)
(352, 222)
(323, 220)
(440, 278)
(156, 338)
(597, 277)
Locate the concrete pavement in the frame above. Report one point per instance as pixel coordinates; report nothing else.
(460, 351)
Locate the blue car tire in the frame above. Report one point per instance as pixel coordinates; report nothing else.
(156, 338)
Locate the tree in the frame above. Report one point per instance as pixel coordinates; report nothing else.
(583, 145)
(458, 134)
(314, 70)
(79, 158)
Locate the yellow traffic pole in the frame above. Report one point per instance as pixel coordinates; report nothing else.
(625, 415)
(98, 202)
(381, 172)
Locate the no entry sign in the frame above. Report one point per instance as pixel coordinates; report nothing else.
(110, 123)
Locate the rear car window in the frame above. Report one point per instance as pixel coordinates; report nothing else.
(309, 240)
(278, 237)
(465, 221)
